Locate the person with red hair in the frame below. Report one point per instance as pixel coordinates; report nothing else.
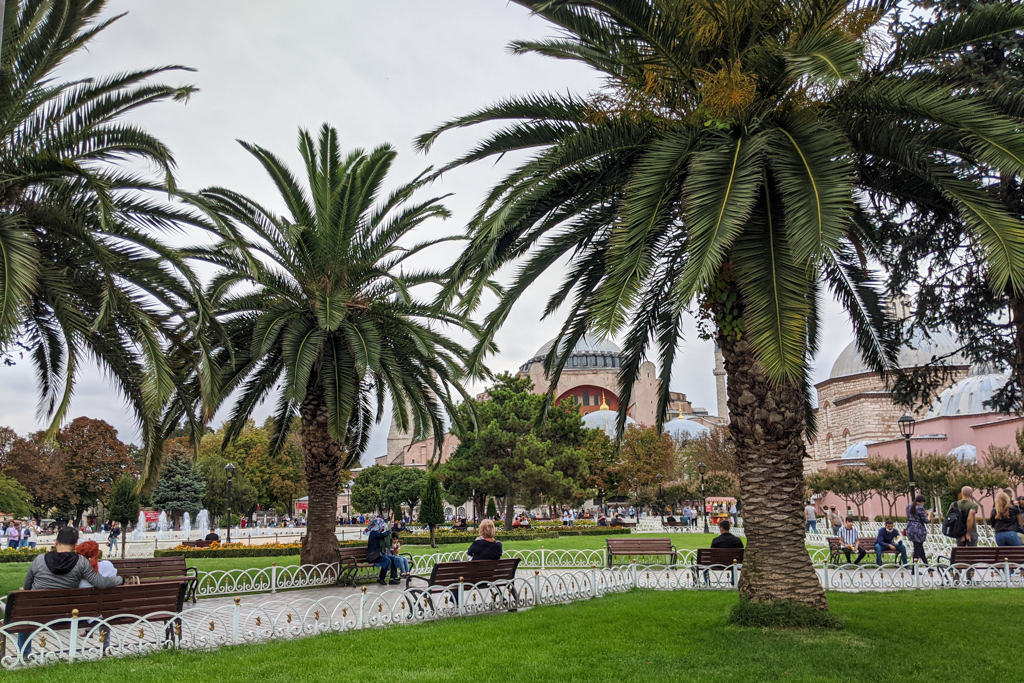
(90, 550)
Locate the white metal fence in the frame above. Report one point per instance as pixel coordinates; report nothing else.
(206, 628)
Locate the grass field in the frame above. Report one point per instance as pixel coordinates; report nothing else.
(639, 636)
(12, 574)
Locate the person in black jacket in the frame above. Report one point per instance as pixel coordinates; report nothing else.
(486, 547)
(377, 551)
(726, 539)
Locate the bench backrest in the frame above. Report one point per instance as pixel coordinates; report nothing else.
(990, 555)
(475, 571)
(835, 543)
(867, 543)
(152, 567)
(357, 553)
(707, 557)
(639, 546)
(48, 605)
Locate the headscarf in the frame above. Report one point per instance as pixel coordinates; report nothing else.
(378, 525)
(90, 550)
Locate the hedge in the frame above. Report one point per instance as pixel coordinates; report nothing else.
(22, 555)
(272, 550)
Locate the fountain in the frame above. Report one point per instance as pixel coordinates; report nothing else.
(186, 526)
(139, 532)
(203, 523)
(161, 525)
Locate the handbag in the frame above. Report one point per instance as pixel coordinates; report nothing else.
(373, 555)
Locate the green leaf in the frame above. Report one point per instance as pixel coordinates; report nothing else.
(330, 309)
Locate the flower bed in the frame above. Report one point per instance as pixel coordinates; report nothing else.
(21, 555)
(232, 550)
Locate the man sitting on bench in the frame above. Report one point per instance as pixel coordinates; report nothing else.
(889, 539)
(848, 536)
(726, 539)
(62, 567)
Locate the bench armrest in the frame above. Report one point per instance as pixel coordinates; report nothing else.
(425, 579)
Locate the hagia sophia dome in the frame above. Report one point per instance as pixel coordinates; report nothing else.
(588, 353)
(684, 428)
(969, 395)
(918, 351)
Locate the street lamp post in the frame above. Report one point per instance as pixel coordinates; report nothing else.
(906, 424)
(636, 493)
(230, 469)
(702, 468)
(661, 501)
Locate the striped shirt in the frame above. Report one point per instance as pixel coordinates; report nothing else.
(849, 536)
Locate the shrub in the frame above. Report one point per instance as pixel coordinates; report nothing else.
(233, 550)
(22, 555)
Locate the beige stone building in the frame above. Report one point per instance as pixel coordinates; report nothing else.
(856, 408)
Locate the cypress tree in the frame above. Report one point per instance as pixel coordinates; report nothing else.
(432, 507)
(180, 488)
(492, 510)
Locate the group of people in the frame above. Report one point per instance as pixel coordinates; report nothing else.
(384, 545)
(19, 534)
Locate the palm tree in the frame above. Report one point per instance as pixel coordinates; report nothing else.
(316, 306)
(82, 275)
(724, 167)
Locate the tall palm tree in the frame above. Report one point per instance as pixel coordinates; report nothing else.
(723, 166)
(83, 274)
(316, 306)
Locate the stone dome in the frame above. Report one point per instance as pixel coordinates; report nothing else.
(684, 428)
(588, 353)
(919, 351)
(605, 420)
(968, 396)
(966, 454)
(856, 451)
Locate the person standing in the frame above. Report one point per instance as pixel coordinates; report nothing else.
(732, 513)
(13, 535)
(1006, 519)
(971, 511)
(917, 531)
(687, 515)
(810, 517)
(835, 519)
(115, 532)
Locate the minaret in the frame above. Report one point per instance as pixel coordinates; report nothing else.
(723, 405)
(398, 441)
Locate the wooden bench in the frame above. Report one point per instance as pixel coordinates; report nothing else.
(867, 544)
(639, 547)
(967, 555)
(196, 544)
(678, 523)
(148, 569)
(155, 600)
(351, 560)
(619, 522)
(715, 557)
(479, 573)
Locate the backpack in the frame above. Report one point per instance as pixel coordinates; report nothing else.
(955, 523)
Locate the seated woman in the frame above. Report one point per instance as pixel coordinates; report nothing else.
(486, 547)
(90, 550)
(462, 526)
(377, 551)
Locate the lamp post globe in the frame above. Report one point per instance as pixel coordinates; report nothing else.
(230, 470)
(906, 425)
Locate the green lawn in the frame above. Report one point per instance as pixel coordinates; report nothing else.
(639, 636)
(13, 574)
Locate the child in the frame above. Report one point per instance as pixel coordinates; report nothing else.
(401, 562)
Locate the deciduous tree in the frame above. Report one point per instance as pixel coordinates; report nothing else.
(92, 458)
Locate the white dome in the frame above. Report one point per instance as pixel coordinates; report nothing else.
(856, 451)
(683, 428)
(605, 420)
(919, 351)
(966, 454)
(968, 396)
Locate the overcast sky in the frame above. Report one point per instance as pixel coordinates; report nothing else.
(382, 71)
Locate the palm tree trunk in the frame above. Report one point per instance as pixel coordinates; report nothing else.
(767, 424)
(323, 457)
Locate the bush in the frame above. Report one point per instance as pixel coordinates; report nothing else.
(783, 614)
(22, 555)
(897, 519)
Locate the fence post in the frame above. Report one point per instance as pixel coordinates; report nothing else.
(273, 577)
(1006, 570)
(734, 572)
(73, 642)
(593, 582)
(536, 587)
(634, 574)
(825, 584)
(462, 599)
(917, 575)
(362, 606)
(154, 545)
(542, 555)
(236, 614)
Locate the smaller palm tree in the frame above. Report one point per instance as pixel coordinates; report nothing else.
(83, 274)
(316, 307)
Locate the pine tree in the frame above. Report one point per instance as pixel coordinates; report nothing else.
(492, 510)
(180, 488)
(124, 505)
(432, 507)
